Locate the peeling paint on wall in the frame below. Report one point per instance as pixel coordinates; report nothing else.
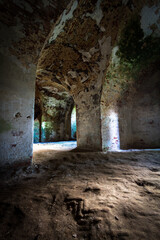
(128, 89)
(97, 15)
(65, 17)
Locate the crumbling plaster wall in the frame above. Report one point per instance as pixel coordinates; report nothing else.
(141, 111)
(76, 55)
(24, 26)
(130, 102)
(17, 98)
(16, 110)
(81, 44)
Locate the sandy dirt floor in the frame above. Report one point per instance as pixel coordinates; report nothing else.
(68, 195)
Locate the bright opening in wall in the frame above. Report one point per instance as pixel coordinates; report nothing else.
(114, 131)
(55, 123)
(111, 139)
(36, 131)
(73, 123)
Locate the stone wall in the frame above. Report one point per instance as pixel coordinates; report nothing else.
(139, 116)
(130, 103)
(24, 26)
(56, 118)
(16, 110)
(76, 57)
(53, 106)
(81, 44)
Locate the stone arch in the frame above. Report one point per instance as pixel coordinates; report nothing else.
(56, 106)
(76, 55)
(24, 28)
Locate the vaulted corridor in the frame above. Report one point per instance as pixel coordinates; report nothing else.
(80, 119)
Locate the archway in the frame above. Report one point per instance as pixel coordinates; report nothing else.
(53, 107)
(75, 56)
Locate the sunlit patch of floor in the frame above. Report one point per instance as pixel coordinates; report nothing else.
(83, 196)
(135, 150)
(70, 145)
(59, 146)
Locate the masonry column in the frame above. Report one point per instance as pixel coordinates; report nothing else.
(88, 121)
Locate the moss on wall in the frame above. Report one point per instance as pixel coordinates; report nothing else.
(4, 125)
(131, 88)
(135, 50)
(134, 54)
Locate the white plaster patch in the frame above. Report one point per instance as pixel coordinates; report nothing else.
(73, 74)
(85, 56)
(149, 16)
(115, 59)
(93, 50)
(97, 14)
(65, 17)
(51, 89)
(73, 87)
(66, 81)
(58, 77)
(102, 29)
(105, 48)
(85, 78)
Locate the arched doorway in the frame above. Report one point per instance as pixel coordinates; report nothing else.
(55, 115)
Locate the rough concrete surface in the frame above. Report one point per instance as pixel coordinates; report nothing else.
(24, 26)
(69, 195)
